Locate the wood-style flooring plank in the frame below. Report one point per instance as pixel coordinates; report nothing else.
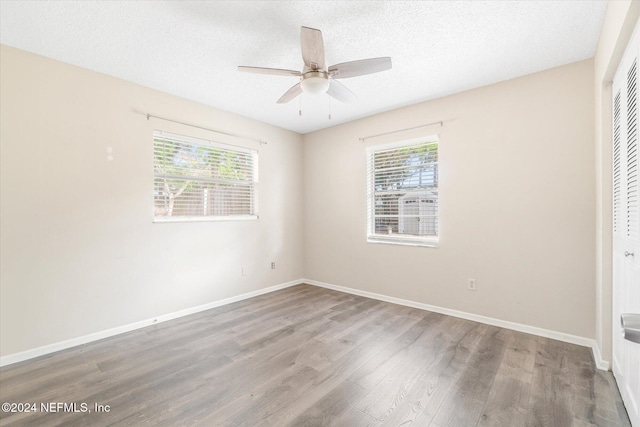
(333, 375)
(329, 408)
(418, 405)
(432, 356)
(464, 406)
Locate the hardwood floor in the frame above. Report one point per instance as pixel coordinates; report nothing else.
(307, 356)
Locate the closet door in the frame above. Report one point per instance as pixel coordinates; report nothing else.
(626, 231)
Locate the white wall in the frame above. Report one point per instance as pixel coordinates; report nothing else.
(516, 203)
(79, 253)
(620, 20)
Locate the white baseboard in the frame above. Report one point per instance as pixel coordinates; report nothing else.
(546, 333)
(63, 345)
(597, 356)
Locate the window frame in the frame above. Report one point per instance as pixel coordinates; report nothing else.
(195, 141)
(408, 240)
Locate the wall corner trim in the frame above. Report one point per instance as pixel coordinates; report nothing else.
(546, 333)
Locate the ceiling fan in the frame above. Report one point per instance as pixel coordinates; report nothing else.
(315, 76)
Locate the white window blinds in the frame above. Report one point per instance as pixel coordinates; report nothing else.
(195, 179)
(403, 193)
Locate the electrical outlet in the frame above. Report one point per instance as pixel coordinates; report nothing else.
(472, 284)
(273, 265)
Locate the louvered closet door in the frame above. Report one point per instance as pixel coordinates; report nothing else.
(626, 226)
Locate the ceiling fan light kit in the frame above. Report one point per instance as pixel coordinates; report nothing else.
(315, 78)
(314, 82)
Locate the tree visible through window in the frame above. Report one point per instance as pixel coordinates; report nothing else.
(199, 179)
(403, 192)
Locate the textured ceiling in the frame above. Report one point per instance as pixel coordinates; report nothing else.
(192, 48)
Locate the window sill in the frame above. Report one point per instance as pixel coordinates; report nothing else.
(205, 218)
(404, 241)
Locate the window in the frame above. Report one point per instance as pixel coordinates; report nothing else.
(402, 192)
(195, 179)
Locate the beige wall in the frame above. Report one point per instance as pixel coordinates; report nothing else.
(516, 203)
(79, 252)
(620, 20)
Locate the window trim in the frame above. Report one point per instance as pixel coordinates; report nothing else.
(372, 236)
(221, 145)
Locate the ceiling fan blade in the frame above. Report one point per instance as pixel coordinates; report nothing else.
(290, 94)
(312, 48)
(340, 92)
(274, 71)
(359, 68)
